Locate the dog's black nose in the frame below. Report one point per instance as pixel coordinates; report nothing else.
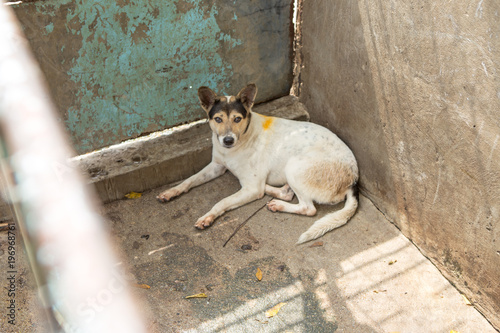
(228, 140)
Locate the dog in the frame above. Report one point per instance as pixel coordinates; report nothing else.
(277, 157)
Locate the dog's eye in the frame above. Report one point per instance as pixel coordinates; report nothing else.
(218, 120)
(237, 119)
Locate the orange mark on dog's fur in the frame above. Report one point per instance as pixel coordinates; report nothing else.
(266, 124)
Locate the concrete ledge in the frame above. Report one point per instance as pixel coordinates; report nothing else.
(163, 157)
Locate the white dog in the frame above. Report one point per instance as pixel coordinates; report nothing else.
(275, 156)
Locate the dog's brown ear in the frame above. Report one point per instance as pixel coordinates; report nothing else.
(247, 95)
(207, 98)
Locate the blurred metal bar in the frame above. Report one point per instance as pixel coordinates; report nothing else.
(70, 243)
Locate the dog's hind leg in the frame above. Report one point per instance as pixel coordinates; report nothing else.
(332, 220)
(304, 207)
(283, 193)
(296, 182)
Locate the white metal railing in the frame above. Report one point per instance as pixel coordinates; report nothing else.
(57, 215)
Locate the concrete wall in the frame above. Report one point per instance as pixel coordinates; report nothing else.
(118, 69)
(413, 87)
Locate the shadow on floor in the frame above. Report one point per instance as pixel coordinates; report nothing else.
(364, 277)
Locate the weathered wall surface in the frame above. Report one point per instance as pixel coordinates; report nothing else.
(413, 87)
(118, 69)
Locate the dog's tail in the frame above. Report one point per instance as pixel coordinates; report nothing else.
(333, 220)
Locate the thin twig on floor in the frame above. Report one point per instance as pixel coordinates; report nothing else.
(160, 249)
(243, 223)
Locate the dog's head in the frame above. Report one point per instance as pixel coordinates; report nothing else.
(228, 116)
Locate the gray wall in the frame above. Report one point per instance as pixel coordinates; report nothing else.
(413, 88)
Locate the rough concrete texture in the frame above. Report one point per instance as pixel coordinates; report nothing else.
(413, 88)
(118, 69)
(163, 157)
(365, 277)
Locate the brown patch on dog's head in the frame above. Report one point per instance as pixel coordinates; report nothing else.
(212, 103)
(229, 116)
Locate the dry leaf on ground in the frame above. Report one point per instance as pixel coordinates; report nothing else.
(201, 295)
(133, 195)
(317, 244)
(142, 285)
(258, 274)
(274, 310)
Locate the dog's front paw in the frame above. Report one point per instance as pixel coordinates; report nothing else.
(204, 222)
(168, 194)
(274, 206)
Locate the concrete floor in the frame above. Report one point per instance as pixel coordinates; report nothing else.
(365, 277)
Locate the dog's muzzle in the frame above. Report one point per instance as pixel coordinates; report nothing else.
(228, 141)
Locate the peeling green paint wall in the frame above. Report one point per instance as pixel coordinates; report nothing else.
(118, 69)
